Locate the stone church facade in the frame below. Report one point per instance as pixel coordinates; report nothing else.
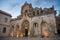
(34, 22)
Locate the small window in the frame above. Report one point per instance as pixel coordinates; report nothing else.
(6, 19)
(4, 30)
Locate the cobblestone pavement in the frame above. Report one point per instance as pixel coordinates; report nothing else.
(28, 38)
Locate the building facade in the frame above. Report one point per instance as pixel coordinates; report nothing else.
(4, 23)
(34, 22)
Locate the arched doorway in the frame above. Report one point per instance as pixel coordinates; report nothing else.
(44, 29)
(36, 29)
(25, 27)
(26, 32)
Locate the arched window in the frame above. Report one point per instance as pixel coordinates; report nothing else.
(4, 29)
(26, 11)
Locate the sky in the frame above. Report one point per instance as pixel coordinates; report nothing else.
(13, 7)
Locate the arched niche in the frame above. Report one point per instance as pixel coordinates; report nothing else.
(17, 27)
(44, 29)
(36, 29)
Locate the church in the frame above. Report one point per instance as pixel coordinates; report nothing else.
(34, 22)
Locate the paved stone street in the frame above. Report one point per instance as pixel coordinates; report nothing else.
(26, 38)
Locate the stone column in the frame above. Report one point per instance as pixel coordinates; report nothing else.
(39, 29)
(29, 30)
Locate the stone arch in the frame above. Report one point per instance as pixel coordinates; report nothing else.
(44, 29)
(25, 27)
(11, 33)
(25, 23)
(36, 29)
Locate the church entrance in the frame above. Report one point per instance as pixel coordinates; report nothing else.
(25, 27)
(26, 32)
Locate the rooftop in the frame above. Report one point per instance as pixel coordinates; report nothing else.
(5, 13)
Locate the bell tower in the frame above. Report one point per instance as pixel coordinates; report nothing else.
(26, 9)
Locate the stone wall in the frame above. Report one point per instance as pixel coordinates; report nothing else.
(4, 24)
(45, 22)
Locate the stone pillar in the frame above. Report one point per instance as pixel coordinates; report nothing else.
(40, 29)
(29, 30)
(14, 28)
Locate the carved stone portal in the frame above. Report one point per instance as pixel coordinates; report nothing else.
(25, 27)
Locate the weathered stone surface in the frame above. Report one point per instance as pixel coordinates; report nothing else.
(38, 22)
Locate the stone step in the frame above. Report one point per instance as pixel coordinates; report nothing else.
(27, 38)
